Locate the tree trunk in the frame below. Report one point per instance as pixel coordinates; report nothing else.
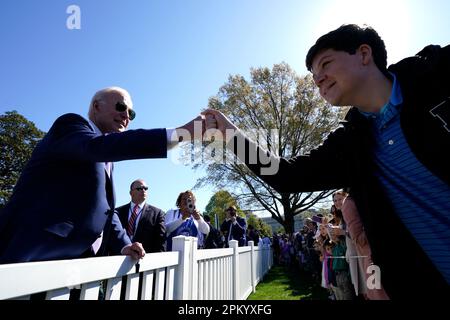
(288, 223)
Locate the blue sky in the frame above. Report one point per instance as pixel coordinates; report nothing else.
(173, 55)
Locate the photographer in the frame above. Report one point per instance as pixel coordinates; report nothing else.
(186, 220)
(234, 227)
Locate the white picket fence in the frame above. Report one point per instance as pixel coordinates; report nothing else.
(183, 274)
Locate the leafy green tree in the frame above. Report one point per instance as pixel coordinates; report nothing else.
(281, 230)
(18, 137)
(273, 99)
(263, 228)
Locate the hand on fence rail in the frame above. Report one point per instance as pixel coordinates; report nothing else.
(134, 250)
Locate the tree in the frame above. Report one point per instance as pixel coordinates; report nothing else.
(18, 137)
(263, 228)
(298, 119)
(280, 230)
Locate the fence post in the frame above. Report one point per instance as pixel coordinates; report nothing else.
(194, 269)
(253, 265)
(183, 245)
(262, 260)
(269, 256)
(266, 264)
(234, 244)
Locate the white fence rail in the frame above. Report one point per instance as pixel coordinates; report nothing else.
(183, 274)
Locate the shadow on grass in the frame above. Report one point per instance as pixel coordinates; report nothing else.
(282, 283)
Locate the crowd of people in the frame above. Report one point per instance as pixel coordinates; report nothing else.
(335, 251)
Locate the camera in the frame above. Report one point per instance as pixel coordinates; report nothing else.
(190, 205)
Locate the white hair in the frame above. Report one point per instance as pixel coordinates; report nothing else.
(99, 95)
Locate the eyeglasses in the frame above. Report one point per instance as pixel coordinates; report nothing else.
(141, 188)
(121, 107)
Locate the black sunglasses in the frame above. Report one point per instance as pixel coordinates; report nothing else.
(121, 107)
(141, 188)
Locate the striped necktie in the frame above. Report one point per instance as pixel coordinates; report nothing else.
(132, 221)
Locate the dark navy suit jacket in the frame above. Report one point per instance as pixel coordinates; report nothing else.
(64, 196)
(237, 231)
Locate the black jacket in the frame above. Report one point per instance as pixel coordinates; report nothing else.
(151, 230)
(213, 239)
(344, 161)
(237, 231)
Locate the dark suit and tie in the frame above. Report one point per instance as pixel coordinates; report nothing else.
(65, 196)
(150, 230)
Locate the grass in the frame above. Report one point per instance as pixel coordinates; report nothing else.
(281, 283)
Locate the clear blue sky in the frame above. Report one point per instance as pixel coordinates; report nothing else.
(173, 55)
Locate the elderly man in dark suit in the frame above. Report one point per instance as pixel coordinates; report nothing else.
(65, 195)
(144, 223)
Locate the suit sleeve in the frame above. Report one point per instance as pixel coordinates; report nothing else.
(116, 236)
(71, 137)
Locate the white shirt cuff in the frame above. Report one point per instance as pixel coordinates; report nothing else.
(172, 138)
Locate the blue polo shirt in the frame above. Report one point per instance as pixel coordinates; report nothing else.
(419, 198)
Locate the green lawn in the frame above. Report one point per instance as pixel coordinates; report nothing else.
(281, 283)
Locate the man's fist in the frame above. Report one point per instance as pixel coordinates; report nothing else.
(218, 125)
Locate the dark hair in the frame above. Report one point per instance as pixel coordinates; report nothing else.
(328, 243)
(180, 197)
(232, 210)
(348, 38)
(206, 218)
(338, 213)
(333, 209)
